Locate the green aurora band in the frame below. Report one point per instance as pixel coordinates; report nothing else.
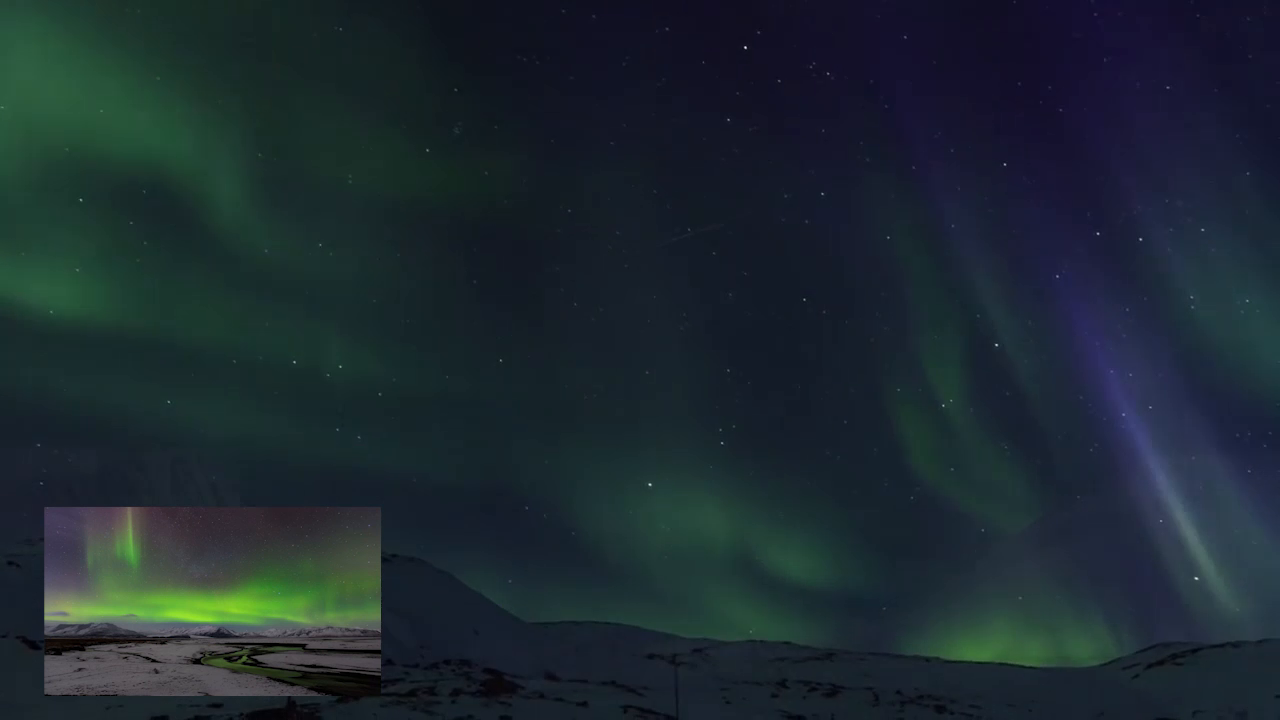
(276, 311)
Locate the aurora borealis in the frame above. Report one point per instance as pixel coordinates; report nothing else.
(893, 326)
(246, 568)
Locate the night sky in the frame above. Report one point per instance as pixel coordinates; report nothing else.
(243, 568)
(934, 327)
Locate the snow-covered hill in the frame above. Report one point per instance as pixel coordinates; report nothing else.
(484, 662)
(476, 629)
(90, 630)
(449, 652)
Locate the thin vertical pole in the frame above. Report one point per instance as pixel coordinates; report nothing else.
(675, 674)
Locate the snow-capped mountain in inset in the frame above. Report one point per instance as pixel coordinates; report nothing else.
(94, 630)
(174, 631)
(215, 631)
(313, 632)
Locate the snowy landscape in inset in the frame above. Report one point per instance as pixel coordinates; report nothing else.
(212, 602)
(218, 665)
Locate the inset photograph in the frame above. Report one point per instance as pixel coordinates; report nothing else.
(216, 601)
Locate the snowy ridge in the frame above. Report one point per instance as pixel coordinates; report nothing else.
(469, 626)
(210, 631)
(93, 630)
(450, 652)
(174, 631)
(447, 657)
(313, 632)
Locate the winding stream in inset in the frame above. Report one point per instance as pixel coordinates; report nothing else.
(346, 684)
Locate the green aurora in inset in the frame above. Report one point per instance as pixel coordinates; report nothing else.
(130, 575)
(254, 602)
(124, 548)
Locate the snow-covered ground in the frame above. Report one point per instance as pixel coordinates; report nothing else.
(165, 667)
(450, 652)
(152, 669)
(371, 664)
(369, 645)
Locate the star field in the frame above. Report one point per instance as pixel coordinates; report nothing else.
(246, 568)
(887, 326)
